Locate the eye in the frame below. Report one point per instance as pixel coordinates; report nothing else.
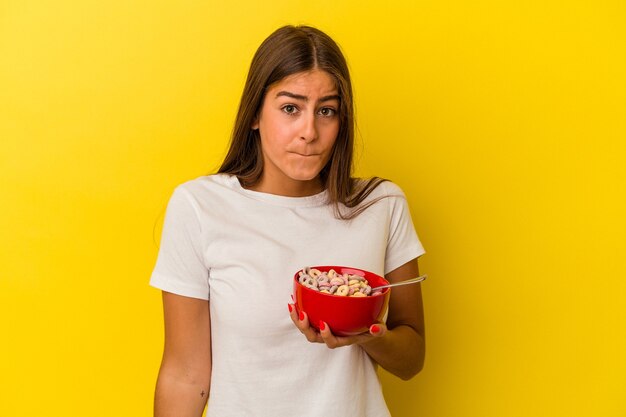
(290, 109)
(327, 111)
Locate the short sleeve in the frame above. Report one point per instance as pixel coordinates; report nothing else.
(403, 244)
(180, 267)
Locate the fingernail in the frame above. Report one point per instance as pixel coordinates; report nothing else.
(322, 325)
(290, 307)
(301, 316)
(375, 329)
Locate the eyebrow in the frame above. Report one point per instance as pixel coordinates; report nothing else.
(305, 98)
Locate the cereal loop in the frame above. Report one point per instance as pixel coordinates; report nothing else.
(343, 291)
(331, 282)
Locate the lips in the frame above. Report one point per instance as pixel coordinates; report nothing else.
(304, 154)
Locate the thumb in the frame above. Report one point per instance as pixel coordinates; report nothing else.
(378, 329)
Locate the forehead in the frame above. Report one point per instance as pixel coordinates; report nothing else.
(308, 81)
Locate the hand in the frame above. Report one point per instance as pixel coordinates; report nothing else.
(325, 335)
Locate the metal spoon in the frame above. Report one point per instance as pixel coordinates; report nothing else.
(408, 281)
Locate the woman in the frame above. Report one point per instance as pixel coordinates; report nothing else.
(283, 199)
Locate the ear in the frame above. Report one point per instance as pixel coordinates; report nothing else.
(255, 123)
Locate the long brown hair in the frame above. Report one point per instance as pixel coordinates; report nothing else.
(290, 50)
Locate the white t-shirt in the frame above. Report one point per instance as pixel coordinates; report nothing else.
(240, 249)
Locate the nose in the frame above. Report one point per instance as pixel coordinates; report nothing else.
(309, 128)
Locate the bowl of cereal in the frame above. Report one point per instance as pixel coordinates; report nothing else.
(342, 297)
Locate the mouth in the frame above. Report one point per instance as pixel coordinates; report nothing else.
(306, 155)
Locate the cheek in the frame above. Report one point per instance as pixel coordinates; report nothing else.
(330, 135)
(273, 131)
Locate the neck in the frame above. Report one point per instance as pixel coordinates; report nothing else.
(288, 187)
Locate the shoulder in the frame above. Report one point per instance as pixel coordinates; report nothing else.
(384, 189)
(205, 183)
(390, 197)
(202, 187)
(392, 189)
(194, 195)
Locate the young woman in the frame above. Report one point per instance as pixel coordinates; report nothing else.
(283, 199)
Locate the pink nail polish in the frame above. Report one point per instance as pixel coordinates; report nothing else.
(301, 316)
(375, 329)
(290, 307)
(322, 325)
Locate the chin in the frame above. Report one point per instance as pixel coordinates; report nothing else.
(307, 175)
(303, 174)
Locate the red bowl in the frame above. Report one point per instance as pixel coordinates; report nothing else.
(345, 316)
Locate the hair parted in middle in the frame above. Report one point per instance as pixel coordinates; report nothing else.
(290, 50)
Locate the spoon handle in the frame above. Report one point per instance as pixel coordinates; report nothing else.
(408, 281)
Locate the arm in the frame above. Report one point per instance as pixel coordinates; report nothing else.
(182, 387)
(399, 346)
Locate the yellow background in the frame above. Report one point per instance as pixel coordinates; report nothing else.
(504, 122)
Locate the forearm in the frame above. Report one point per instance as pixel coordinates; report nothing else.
(182, 388)
(400, 351)
(180, 396)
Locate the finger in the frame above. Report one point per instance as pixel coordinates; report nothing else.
(306, 329)
(300, 320)
(378, 329)
(333, 341)
(327, 335)
(293, 313)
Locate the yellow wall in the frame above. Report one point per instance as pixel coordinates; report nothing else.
(504, 122)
